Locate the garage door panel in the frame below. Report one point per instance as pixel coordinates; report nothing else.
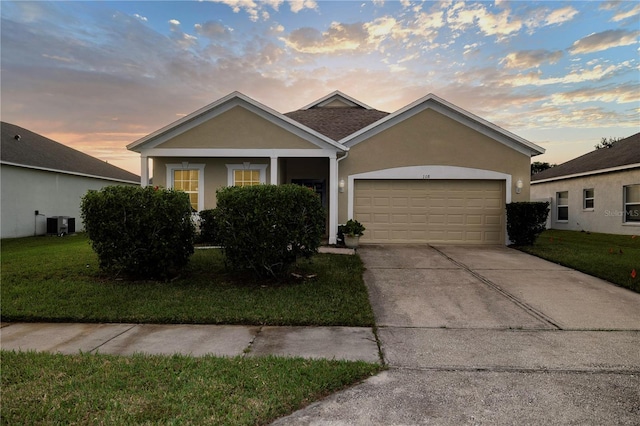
(454, 211)
(436, 219)
(493, 220)
(455, 219)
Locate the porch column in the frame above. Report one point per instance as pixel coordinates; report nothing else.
(274, 171)
(144, 170)
(333, 199)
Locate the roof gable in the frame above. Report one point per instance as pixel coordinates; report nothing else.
(336, 99)
(624, 154)
(24, 148)
(452, 111)
(223, 105)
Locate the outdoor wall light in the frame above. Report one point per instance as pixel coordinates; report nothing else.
(341, 185)
(519, 186)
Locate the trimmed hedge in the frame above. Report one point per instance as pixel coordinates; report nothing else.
(139, 232)
(266, 228)
(525, 221)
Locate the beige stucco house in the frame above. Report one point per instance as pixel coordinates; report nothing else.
(429, 172)
(596, 192)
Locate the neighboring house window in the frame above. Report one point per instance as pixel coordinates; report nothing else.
(562, 203)
(588, 199)
(246, 174)
(632, 203)
(190, 179)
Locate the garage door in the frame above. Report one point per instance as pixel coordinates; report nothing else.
(433, 211)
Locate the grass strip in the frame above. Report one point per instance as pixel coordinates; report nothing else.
(52, 389)
(607, 256)
(58, 279)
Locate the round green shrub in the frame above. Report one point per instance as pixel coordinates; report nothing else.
(139, 232)
(266, 228)
(525, 221)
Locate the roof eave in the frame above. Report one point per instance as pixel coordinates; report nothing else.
(67, 172)
(588, 173)
(431, 98)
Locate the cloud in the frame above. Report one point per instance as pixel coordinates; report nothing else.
(624, 93)
(249, 6)
(181, 38)
(256, 9)
(140, 17)
(560, 16)
(339, 37)
(212, 30)
(596, 42)
(598, 72)
(530, 58)
(503, 24)
(627, 14)
(621, 14)
(298, 5)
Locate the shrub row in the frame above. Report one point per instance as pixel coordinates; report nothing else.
(149, 233)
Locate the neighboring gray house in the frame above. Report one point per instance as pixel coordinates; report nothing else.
(41, 178)
(597, 192)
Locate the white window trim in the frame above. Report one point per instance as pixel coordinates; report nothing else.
(188, 166)
(624, 207)
(558, 205)
(585, 199)
(246, 166)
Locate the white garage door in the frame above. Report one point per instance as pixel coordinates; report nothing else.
(433, 211)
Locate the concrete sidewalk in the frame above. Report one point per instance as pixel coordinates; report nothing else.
(344, 343)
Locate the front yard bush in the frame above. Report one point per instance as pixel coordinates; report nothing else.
(525, 221)
(139, 232)
(266, 228)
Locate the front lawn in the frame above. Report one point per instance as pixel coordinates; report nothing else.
(610, 257)
(57, 279)
(48, 389)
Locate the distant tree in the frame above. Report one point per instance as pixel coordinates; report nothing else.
(538, 166)
(607, 143)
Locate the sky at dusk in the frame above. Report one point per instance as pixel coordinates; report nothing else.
(99, 75)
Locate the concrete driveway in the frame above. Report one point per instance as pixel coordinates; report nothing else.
(490, 335)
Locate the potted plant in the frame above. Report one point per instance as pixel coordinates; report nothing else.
(352, 230)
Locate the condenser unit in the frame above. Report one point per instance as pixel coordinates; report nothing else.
(61, 225)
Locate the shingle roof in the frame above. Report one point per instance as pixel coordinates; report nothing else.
(34, 150)
(622, 153)
(336, 123)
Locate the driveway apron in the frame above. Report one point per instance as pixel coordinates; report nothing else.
(491, 335)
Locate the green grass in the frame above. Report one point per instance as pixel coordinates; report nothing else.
(606, 256)
(58, 279)
(48, 389)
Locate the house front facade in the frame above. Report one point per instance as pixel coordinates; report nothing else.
(427, 173)
(596, 192)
